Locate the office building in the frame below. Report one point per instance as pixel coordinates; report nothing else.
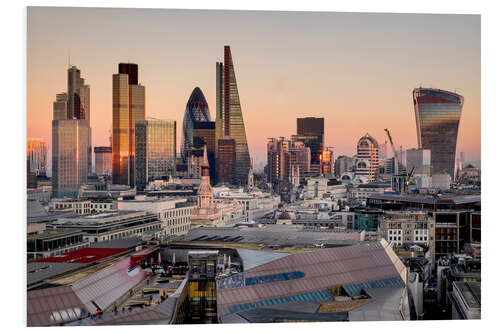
(204, 134)
(37, 156)
(437, 114)
(103, 160)
(311, 131)
(155, 144)
(366, 161)
(196, 111)
(69, 156)
(343, 164)
(128, 106)
(60, 107)
(226, 160)
(229, 117)
(326, 162)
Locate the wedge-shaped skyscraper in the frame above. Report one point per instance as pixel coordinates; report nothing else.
(437, 113)
(229, 117)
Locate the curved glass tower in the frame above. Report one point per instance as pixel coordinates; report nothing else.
(437, 113)
(196, 110)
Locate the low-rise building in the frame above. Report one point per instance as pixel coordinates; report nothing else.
(407, 227)
(42, 243)
(83, 207)
(174, 213)
(111, 225)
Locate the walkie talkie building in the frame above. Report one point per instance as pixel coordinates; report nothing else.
(437, 113)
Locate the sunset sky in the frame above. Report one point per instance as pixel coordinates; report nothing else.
(355, 70)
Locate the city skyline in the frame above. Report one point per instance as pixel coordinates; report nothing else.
(327, 74)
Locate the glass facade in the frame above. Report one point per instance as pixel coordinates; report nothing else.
(128, 106)
(37, 156)
(196, 111)
(155, 143)
(437, 114)
(69, 156)
(311, 131)
(230, 117)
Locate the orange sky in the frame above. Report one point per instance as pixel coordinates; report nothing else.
(355, 70)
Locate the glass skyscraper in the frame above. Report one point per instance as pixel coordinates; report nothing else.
(128, 106)
(311, 131)
(437, 113)
(196, 111)
(37, 156)
(229, 116)
(69, 156)
(155, 144)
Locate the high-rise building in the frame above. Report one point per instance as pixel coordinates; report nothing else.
(60, 107)
(205, 132)
(327, 162)
(420, 159)
(437, 114)
(343, 164)
(299, 156)
(311, 131)
(196, 111)
(229, 117)
(69, 156)
(366, 161)
(103, 160)
(155, 144)
(226, 160)
(37, 156)
(128, 106)
(78, 104)
(284, 158)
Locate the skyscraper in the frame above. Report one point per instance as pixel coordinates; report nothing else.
(60, 107)
(366, 161)
(437, 114)
(128, 106)
(69, 156)
(103, 160)
(37, 156)
(229, 117)
(205, 131)
(78, 104)
(155, 145)
(196, 111)
(226, 160)
(311, 131)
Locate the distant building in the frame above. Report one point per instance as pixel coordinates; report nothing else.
(437, 114)
(69, 156)
(37, 155)
(311, 132)
(155, 150)
(205, 132)
(103, 160)
(343, 164)
(327, 162)
(420, 159)
(229, 119)
(226, 159)
(128, 106)
(366, 160)
(407, 228)
(196, 111)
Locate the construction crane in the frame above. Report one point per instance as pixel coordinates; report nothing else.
(396, 160)
(407, 182)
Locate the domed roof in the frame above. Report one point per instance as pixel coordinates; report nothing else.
(367, 138)
(285, 216)
(197, 106)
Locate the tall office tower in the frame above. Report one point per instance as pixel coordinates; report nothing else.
(219, 103)
(343, 164)
(229, 117)
(311, 131)
(298, 155)
(205, 131)
(103, 160)
(79, 104)
(420, 159)
(326, 162)
(37, 156)
(69, 156)
(128, 106)
(196, 111)
(155, 144)
(277, 161)
(60, 107)
(226, 160)
(366, 161)
(437, 113)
